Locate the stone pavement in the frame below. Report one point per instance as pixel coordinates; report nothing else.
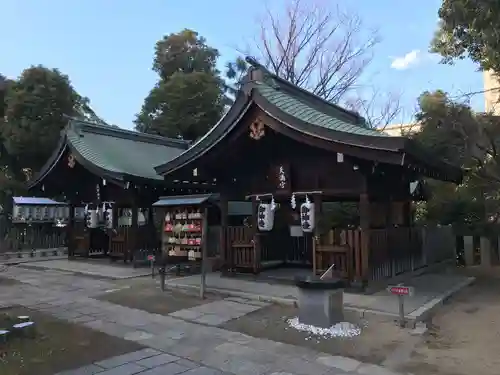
(98, 268)
(145, 362)
(429, 289)
(209, 349)
(219, 312)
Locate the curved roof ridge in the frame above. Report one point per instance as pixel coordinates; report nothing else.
(311, 99)
(80, 126)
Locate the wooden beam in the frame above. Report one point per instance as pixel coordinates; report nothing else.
(280, 193)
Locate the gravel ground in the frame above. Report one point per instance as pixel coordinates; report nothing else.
(379, 336)
(464, 337)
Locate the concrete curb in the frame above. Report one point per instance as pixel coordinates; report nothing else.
(235, 293)
(415, 316)
(428, 308)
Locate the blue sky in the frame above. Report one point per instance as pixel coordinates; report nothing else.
(106, 47)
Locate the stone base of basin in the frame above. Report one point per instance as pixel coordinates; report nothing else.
(321, 302)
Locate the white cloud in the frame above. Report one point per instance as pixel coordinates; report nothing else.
(412, 58)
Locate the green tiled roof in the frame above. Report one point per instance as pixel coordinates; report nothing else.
(310, 108)
(122, 152)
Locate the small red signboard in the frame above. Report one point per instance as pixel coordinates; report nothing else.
(151, 257)
(401, 290)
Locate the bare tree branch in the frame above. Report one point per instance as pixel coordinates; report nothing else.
(379, 110)
(314, 47)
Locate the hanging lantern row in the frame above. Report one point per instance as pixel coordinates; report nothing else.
(102, 216)
(265, 214)
(38, 213)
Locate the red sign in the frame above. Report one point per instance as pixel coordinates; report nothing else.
(401, 290)
(151, 257)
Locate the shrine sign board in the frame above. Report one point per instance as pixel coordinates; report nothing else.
(400, 290)
(280, 177)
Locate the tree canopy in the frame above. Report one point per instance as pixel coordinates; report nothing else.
(188, 98)
(35, 108)
(460, 136)
(469, 28)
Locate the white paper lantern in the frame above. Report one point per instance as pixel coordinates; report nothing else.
(307, 217)
(45, 213)
(17, 212)
(52, 213)
(108, 215)
(92, 219)
(265, 217)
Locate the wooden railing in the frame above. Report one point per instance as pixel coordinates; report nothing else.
(22, 237)
(343, 250)
(391, 251)
(119, 243)
(242, 254)
(394, 251)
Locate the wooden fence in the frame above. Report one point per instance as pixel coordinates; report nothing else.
(428, 246)
(23, 237)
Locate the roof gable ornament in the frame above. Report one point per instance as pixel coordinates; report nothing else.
(71, 161)
(257, 129)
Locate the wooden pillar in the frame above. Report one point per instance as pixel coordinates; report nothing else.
(70, 231)
(318, 200)
(407, 214)
(223, 245)
(133, 228)
(364, 221)
(204, 253)
(114, 213)
(256, 239)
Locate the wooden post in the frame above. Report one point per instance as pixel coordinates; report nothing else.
(407, 214)
(223, 245)
(364, 221)
(70, 232)
(134, 229)
(204, 253)
(255, 230)
(317, 199)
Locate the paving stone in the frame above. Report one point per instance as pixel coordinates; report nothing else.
(342, 363)
(86, 370)
(168, 369)
(126, 358)
(299, 366)
(158, 360)
(115, 329)
(187, 363)
(189, 314)
(367, 369)
(137, 336)
(212, 319)
(247, 301)
(94, 324)
(126, 369)
(203, 371)
(83, 319)
(233, 363)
